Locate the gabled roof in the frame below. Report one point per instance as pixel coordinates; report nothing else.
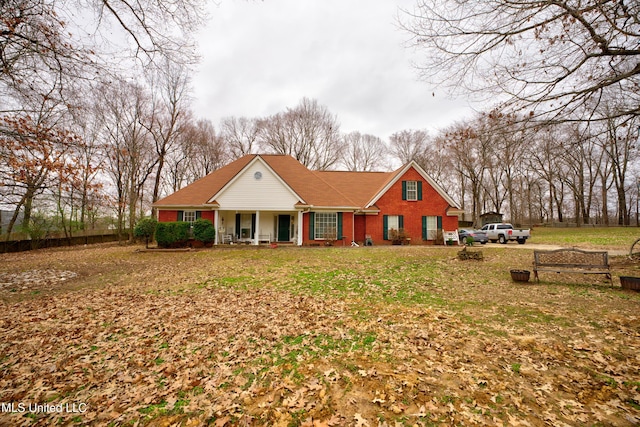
(312, 189)
(200, 192)
(319, 189)
(289, 164)
(398, 173)
(356, 186)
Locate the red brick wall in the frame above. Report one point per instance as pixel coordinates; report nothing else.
(360, 229)
(305, 228)
(391, 203)
(167, 216)
(207, 215)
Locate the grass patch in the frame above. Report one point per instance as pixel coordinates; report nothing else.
(388, 280)
(605, 237)
(293, 347)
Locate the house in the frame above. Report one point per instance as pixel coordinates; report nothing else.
(275, 198)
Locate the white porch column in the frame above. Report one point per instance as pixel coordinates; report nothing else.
(256, 232)
(216, 220)
(300, 228)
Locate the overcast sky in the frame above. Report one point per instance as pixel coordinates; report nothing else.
(260, 57)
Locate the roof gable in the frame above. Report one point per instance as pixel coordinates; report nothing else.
(200, 192)
(398, 174)
(314, 190)
(256, 186)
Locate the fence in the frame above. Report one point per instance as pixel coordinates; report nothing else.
(22, 245)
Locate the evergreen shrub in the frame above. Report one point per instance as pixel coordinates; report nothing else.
(172, 234)
(204, 231)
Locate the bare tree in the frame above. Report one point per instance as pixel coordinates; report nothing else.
(240, 135)
(35, 50)
(468, 151)
(308, 132)
(364, 152)
(441, 167)
(169, 94)
(620, 145)
(209, 150)
(199, 152)
(505, 136)
(548, 56)
(124, 114)
(582, 158)
(51, 51)
(90, 158)
(545, 158)
(408, 145)
(43, 41)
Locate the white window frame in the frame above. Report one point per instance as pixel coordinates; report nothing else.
(189, 216)
(412, 191)
(393, 223)
(432, 227)
(323, 222)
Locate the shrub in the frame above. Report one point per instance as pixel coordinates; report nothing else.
(38, 229)
(146, 227)
(399, 236)
(172, 234)
(204, 231)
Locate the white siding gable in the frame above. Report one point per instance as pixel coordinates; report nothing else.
(246, 192)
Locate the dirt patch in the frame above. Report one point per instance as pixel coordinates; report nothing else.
(34, 280)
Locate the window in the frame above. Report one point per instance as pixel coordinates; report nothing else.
(326, 226)
(391, 225)
(188, 216)
(430, 227)
(393, 222)
(412, 190)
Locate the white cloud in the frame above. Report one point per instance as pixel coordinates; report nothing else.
(259, 57)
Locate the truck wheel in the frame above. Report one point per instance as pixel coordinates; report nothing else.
(502, 239)
(521, 241)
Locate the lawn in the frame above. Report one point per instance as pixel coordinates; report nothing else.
(587, 237)
(392, 336)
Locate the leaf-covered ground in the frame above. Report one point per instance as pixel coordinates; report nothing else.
(312, 337)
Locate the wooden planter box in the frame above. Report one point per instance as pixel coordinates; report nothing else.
(628, 282)
(520, 275)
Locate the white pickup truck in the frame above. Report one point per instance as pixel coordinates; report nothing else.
(502, 232)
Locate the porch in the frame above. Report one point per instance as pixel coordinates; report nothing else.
(258, 227)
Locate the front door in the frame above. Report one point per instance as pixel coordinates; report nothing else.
(284, 228)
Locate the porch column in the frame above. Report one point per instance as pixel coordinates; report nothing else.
(216, 220)
(300, 228)
(256, 232)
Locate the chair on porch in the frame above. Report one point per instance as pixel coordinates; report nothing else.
(227, 238)
(264, 238)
